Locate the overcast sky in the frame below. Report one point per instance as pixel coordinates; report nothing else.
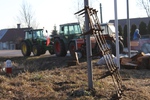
(54, 12)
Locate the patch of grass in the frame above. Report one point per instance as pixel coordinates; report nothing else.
(48, 78)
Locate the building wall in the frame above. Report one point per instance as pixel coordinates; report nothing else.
(7, 46)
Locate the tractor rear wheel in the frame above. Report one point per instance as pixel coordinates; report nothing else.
(36, 50)
(121, 46)
(59, 48)
(25, 48)
(111, 45)
(72, 48)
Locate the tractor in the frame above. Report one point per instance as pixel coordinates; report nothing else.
(36, 42)
(110, 37)
(65, 40)
(70, 39)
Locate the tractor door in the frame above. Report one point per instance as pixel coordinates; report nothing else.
(64, 32)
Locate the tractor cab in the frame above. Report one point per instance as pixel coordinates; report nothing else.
(34, 34)
(70, 31)
(109, 31)
(36, 42)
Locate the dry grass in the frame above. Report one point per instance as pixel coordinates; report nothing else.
(49, 78)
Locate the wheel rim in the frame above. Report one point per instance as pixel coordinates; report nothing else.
(24, 48)
(57, 47)
(34, 50)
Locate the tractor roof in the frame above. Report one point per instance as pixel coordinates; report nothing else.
(34, 30)
(103, 24)
(70, 24)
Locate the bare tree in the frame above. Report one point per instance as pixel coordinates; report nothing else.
(145, 4)
(78, 6)
(27, 15)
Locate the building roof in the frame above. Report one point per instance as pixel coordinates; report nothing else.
(2, 33)
(135, 21)
(12, 34)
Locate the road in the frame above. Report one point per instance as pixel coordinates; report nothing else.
(11, 53)
(14, 53)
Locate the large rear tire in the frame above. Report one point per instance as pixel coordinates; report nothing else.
(111, 45)
(59, 48)
(36, 50)
(25, 48)
(121, 46)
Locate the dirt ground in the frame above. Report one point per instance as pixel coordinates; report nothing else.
(50, 78)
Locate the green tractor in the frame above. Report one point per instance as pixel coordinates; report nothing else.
(66, 39)
(36, 42)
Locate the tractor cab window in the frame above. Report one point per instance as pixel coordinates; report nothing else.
(75, 29)
(108, 29)
(28, 35)
(64, 30)
(111, 29)
(71, 30)
(105, 31)
(37, 33)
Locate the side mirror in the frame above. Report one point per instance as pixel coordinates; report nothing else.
(46, 31)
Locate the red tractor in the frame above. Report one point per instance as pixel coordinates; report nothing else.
(70, 39)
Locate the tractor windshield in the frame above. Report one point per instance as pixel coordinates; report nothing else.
(108, 29)
(38, 33)
(111, 28)
(34, 33)
(74, 29)
(69, 29)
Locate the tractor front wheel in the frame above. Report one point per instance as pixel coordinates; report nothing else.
(59, 48)
(25, 49)
(36, 50)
